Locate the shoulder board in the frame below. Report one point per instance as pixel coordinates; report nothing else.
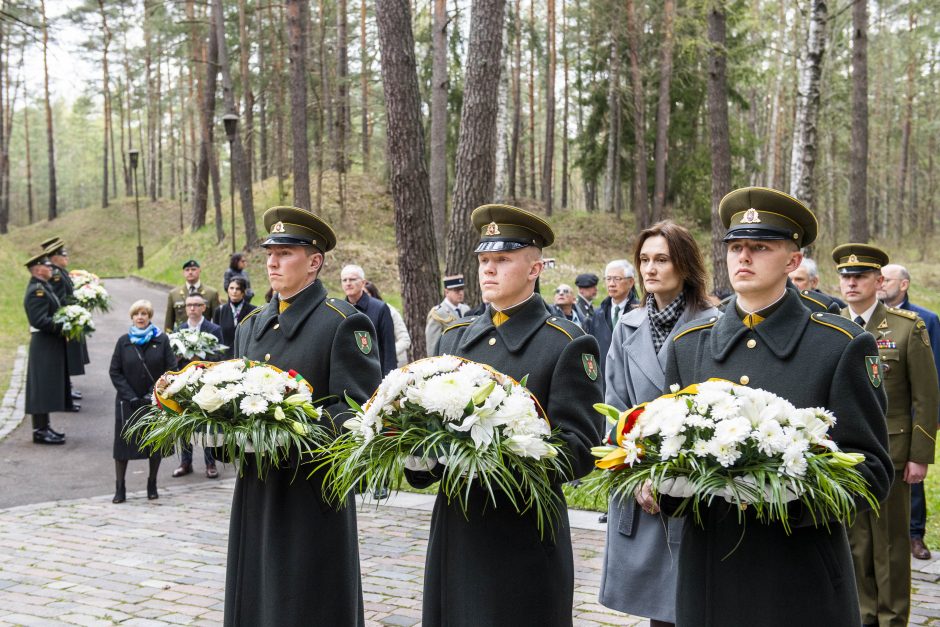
(815, 298)
(253, 312)
(341, 307)
(460, 323)
(837, 323)
(564, 325)
(39, 292)
(441, 318)
(904, 313)
(694, 326)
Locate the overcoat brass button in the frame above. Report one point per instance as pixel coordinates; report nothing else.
(277, 326)
(492, 341)
(751, 343)
(267, 357)
(745, 379)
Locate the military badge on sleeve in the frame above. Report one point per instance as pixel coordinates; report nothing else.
(364, 342)
(873, 366)
(921, 328)
(590, 366)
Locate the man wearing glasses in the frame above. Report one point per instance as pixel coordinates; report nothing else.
(563, 305)
(621, 298)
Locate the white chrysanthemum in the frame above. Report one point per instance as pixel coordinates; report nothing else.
(531, 446)
(447, 394)
(726, 453)
(671, 446)
(177, 383)
(794, 461)
(697, 421)
(427, 368)
(230, 392)
(727, 407)
(718, 387)
(825, 415)
(664, 415)
(476, 373)
(392, 386)
(518, 413)
(778, 409)
(769, 437)
(700, 447)
(795, 438)
(732, 430)
(225, 372)
(253, 404)
(260, 379)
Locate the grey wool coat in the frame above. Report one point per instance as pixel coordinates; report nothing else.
(491, 567)
(642, 551)
(750, 574)
(47, 373)
(293, 558)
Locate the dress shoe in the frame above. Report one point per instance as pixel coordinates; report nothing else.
(55, 433)
(919, 549)
(152, 489)
(602, 518)
(76, 395)
(44, 436)
(380, 494)
(212, 472)
(74, 407)
(184, 469)
(120, 493)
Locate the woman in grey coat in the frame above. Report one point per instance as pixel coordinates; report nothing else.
(642, 552)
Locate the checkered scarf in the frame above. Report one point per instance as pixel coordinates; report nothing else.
(662, 322)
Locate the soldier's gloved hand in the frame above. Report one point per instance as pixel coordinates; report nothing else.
(419, 464)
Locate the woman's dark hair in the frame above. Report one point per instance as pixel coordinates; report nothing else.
(373, 290)
(686, 257)
(235, 260)
(242, 283)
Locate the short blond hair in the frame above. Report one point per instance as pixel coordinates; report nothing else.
(141, 305)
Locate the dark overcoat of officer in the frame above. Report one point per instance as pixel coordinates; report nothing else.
(293, 558)
(741, 573)
(61, 283)
(491, 566)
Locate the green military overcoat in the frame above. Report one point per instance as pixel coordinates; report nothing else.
(175, 314)
(64, 289)
(491, 567)
(292, 558)
(733, 574)
(47, 369)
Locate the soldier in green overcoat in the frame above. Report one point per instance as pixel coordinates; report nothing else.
(61, 283)
(742, 573)
(176, 300)
(490, 566)
(909, 378)
(293, 558)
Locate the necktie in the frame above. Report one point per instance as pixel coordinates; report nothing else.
(616, 316)
(192, 290)
(860, 321)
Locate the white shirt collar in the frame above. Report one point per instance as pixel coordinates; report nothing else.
(197, 285)
(198, 326)
(866, 315)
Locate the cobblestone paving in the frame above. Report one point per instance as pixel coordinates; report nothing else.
(89, 562)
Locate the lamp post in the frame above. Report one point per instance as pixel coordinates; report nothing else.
(230, 120)
(134, 154)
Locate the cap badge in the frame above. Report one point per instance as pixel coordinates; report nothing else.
(853, 259)
(491, 229)
(750, 217)
(277, 227)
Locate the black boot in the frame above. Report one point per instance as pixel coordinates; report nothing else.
(120, 493)
(152, 489)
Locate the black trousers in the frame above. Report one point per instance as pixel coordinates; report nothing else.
(40, 421)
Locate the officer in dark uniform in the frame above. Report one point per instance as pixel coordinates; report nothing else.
(491, 567)
(61, 283)
(587, 291)
(736, 572)
(47, 367)
(293, 559)
(176, 300)
(880, 541)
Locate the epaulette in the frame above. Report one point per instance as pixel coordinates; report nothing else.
(460, 323)
(564, 325)
(904, 313)
(695, 325)
(253, 312)
(442, 319)
(839, 323)
(341, 307)
(804, 294)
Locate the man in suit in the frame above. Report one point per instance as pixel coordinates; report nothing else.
(293, 555)
(806, 280)
(619, 276)
(490, 566)
(353, 280)
(894, 293)
(880, 543)
(47, 367)
(451, 309)
(195, 319)
(587, 292)
(176, 299)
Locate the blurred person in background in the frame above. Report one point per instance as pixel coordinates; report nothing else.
(231, 313)
(402, 338)
(236, 268)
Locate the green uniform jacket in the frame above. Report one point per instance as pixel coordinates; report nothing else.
(176, 305)
(292, 558)
(77, 352)
(910, 382)
(491, 567)
(47, 369)
(755, 574)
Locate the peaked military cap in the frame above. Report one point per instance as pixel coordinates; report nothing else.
(503, 227)
(53, 246)
(192, 263)
(48, 242)
(454, 282)
(41, 258)
(767, 214)
(290, 226)
(587, 279)
(858, 258)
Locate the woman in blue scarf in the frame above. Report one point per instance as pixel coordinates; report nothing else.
(139, 358)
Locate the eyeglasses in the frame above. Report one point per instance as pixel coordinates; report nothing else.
(562, 291)
(616, 279)
(194, 305)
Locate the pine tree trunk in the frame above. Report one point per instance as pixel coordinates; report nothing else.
(532, 63)
(414, 227)
(502, 139)
(342, 103)
(858, 157)
(439, 89)
(262, 99)
(565, 182)
(549, 155)
(905, 211)
(640, 192)
(663, 107)
(805, 129)
(248, 113)
(50, 139)
(514, 161)
(171, 135)
(720, 142)
(476, 147)
(612, 178)
(323, 102)
(364, 86)
(297, 37)
(30, 210)
(205, 164)
(105, 43)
